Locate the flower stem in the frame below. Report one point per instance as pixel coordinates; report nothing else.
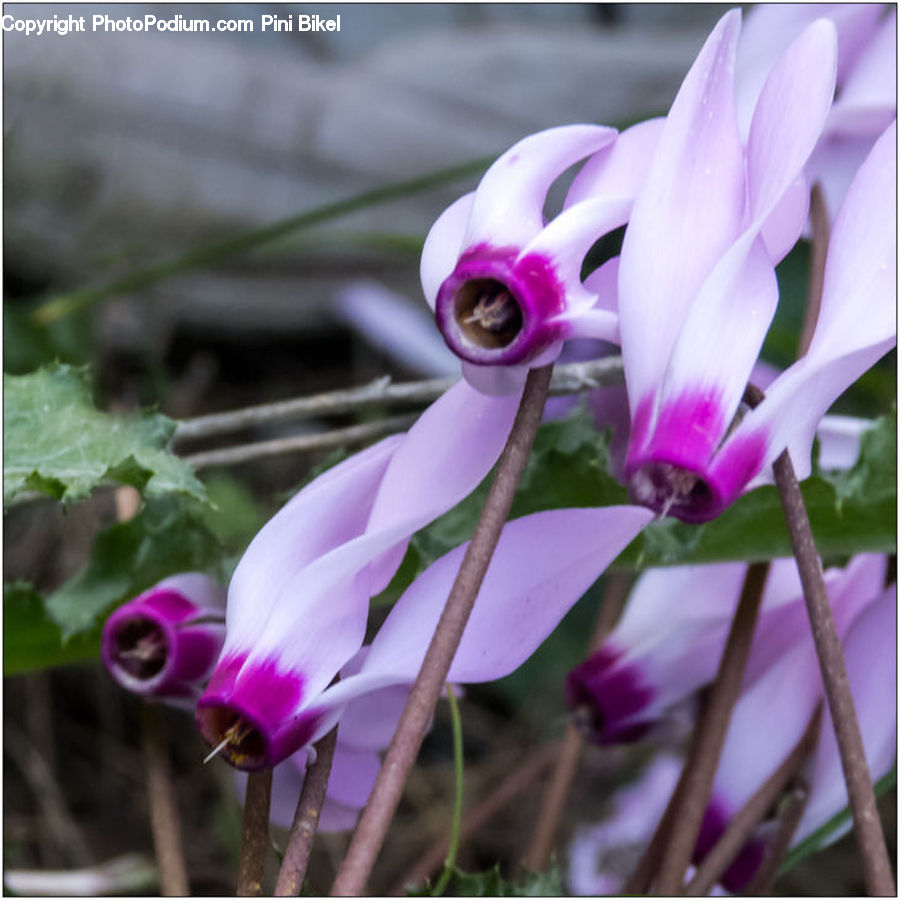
(254, 834)
(867, 824)
(821, 234)
(404, 747)
(306, 819)
(164, 819)
(700, 769)
(453, 846)
(557, 791)
(764, 879)
(751, 814)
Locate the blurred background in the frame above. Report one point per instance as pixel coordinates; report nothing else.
(125, 152)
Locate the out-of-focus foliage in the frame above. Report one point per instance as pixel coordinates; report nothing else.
(58, 443)
(32, 641)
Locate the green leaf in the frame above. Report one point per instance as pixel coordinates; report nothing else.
(831, 830)
(58, 443)
(492, 884)
(31, 640)
(168, 536)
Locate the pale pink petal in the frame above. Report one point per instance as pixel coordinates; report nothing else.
(869, 93)
(353, 772)
(784, 225)
(509, 201)
(567, 550)
(443, 245)
(326, 513)
(789, 116)
(703, 388)
(856, 327)
(619, 168)
(443, 458)
(870, 652)
(686, 215)
(603, 282)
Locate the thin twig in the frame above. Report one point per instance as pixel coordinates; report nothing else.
(867, 824)
(711, 736)
(764, 879)
(821, 234)
(254, 834)
(517, 781)
(742, 824)
(164, 819)
(306, 819)
(557, 790)
(229, 456)
(568, 379)
(401, 755)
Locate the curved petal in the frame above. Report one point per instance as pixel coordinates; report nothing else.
(789, 116)
(784, 225)
(619, 168)
(702, 390)
(443, 245)
(326, 513)
(353, 773)
(870, 651)
(566, 240)
(443, 458)
(686, 215)
(509, 200)
(872, 83)
(856, 326)
(567, 550)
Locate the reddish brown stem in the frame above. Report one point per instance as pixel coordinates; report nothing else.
(794, 805)
(404, 747)
(164, 820)
(557, 790)
(867, 824)
(508, 789)
(821, 234)
(751, 814)
(702, 765)
(254, 834)
(306, 819)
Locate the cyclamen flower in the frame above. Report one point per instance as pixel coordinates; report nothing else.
(566, 549)
(298, 600)
(633, 685)
(785, 696)
(504, 284)
(164, 643)
(697, 287)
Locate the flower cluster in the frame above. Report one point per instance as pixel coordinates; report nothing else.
(644, 678)
(711, 197)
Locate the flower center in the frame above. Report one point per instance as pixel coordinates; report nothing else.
(140, 648)
(236, 739)
(487, 313)
(671, 490)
